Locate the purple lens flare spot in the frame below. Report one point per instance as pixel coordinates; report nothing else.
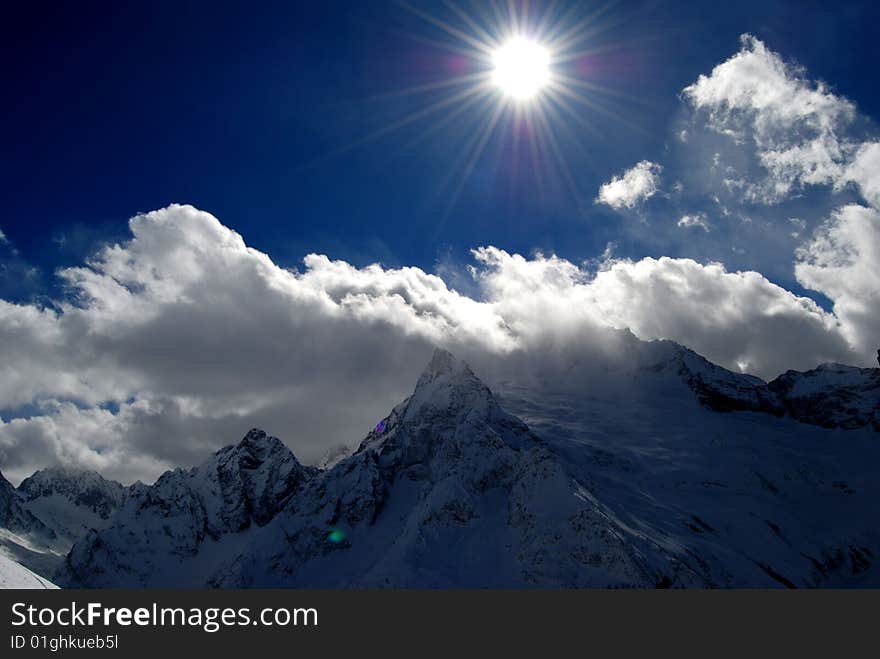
(380, 427)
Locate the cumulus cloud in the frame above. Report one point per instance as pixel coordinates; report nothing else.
(741, 319)
(2, 237)
(633, 187)
(802, 132)
(175, 342)
(842, 261)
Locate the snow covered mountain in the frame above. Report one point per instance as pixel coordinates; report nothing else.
(52, 509)
(71, 501)
(13, 515)
(832, 396)
(172, 532)
(639, 482)
(23, 536)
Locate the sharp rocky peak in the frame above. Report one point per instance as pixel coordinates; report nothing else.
(256, 446)
(446, 369)
(449, 402)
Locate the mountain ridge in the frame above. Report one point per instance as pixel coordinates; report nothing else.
(541, 500)
(451, 490)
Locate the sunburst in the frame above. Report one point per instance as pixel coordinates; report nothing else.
(522, 73)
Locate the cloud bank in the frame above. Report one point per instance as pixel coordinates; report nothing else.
(176, 341)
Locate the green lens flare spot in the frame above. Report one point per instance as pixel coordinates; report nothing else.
(336, 536)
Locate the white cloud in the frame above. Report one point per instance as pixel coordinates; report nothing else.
(842, 261)
(734, 318)
(694, 220)
(634, 186)
(2, 237)
(798, 127)
(183, 337)
(864, 170)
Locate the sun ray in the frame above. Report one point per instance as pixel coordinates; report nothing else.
(477, 150)
(434, 128)
(557, 152)
(471, 23)
(520, 68)
(443, 25)
(594, 105)
(410, 118)
(468, 79)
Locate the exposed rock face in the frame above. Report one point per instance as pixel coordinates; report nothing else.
(255, 480)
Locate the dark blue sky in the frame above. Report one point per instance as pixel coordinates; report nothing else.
(257, 113)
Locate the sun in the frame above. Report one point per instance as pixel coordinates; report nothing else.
(521, 68)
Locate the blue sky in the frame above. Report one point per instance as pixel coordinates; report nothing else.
(226, 215)
(248, 112)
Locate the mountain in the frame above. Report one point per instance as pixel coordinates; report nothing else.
(197, 512)
(722, 390)
(447, 490)
(50, 510)
(657, 470)
(15, 575)
(13, 515)
(71, 501)
(23, 536)
(832, 396)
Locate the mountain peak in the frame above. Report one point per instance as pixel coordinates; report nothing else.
(448, 380)
(81, 487)
(258, 445)
(444, 363)
(253, 436)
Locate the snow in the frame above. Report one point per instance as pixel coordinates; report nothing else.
(338, 453)
(15, 575)
(50, 510)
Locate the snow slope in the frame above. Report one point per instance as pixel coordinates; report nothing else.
(26, 538)
(751, 498)
(15, 575)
